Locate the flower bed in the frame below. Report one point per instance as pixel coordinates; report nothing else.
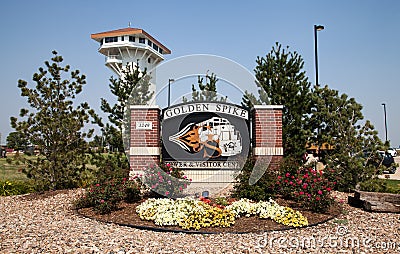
(126, 215)
(189, 213)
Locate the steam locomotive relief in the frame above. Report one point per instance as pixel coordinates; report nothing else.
(213, 138)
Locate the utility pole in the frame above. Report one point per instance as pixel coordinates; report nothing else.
(384, 113)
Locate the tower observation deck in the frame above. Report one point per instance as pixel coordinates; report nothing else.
(132, 46)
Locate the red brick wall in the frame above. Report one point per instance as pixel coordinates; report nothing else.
(144, 138)
(267, 133)
(138, 162)
(267, 127)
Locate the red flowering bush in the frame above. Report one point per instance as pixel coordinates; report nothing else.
(104, 197)
(164, 180)
(309, 187)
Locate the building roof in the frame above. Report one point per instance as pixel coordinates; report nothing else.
(128, 31)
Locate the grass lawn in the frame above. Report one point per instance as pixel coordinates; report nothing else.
(393, 184)
(11, 171)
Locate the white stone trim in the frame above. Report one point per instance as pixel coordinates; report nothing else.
(145, 107)
(145, 151)
(268, 151)
(268, 106)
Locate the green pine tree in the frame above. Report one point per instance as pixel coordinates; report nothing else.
(336, 120)
(283, 81)
(130, 89)
(55, 125)
(207, 92)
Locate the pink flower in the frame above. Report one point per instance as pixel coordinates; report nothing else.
(184, 177)
(102, 201)
(320, 192)
(97, 184)
(301, 192)
(180, 189)
(287, 174)
(317, 198)
(168, 165)
(167, 193)
(279, 177)
(305, 186)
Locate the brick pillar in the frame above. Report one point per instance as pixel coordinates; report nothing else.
(145, 147)
(267, 133)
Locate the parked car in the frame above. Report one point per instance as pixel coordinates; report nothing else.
(392, 151)
(387, 160)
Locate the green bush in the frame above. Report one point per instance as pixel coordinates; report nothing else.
(263, 189)
(103, 197)
(8, 188)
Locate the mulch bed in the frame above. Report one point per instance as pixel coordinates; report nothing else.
(127, 216)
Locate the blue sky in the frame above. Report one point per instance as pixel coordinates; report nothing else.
(358, 50)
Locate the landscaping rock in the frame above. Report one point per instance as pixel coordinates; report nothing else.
(50, 225)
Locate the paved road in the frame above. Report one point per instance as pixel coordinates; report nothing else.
(396, 175)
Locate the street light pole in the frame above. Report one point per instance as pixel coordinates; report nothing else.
(384, 112)
(169, 90)
(316, 28)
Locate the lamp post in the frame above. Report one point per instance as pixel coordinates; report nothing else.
(169, 90)
(384, 112)
(316, 29)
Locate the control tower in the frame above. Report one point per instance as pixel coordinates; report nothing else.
(131, 46)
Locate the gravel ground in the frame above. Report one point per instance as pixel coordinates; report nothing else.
(49, 225)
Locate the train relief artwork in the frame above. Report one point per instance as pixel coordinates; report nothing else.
(205, 135)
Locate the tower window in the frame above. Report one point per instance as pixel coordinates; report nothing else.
(160, 50)
(122, 38)
(132, 38)
(142, 40)
(149, 60)
(155, 47)
(149, 43)
(111, 39)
